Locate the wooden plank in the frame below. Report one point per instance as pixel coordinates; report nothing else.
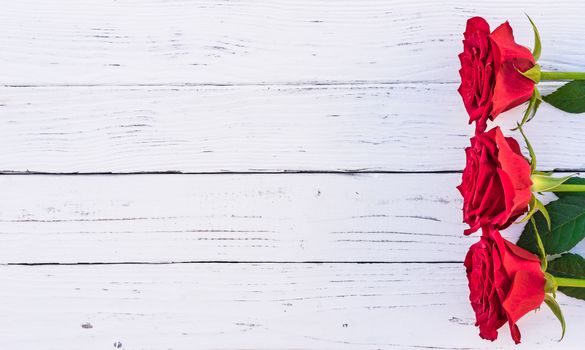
(251, 306)
(291, 217)
(241, 42)
(403, 127)
(294, 217)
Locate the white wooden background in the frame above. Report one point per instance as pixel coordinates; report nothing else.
(251, 174)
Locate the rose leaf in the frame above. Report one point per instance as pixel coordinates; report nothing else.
(569, 97)
(567, 218)
(569, 266)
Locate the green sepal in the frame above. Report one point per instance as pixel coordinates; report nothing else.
(545, 183)
(532, 210)
(530, 149)
(532, 74)
(530, 112)
(540, 246)
(550, 285)
(537, 101)
(556, 309)
(544, 212)
(537, 45)
(535, 205)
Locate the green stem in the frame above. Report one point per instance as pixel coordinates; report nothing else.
(570, 282)
(569, 188)
(562, 76)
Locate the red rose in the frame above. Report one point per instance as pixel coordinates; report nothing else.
(477, 72)
(511, 88)
(505, 283)
(490, 81)
(496, 185)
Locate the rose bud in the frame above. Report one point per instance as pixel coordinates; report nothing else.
(491, 66)
(505, 283)
(496, 184)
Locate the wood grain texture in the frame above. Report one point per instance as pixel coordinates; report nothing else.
(251, 306)
(260, 261)
(402, 127)
(297, 217)
(292, 217)
(260, 42)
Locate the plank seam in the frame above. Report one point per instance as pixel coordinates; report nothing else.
(228, 262)
(254, 172)
(361, 83)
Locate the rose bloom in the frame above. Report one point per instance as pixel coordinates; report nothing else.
(505, 283)
(490, 81)
(496, 185)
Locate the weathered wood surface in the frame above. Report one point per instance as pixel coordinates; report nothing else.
(249, 42)
(251, 86)
(255, 306)
(293, 217)
(402, 127)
